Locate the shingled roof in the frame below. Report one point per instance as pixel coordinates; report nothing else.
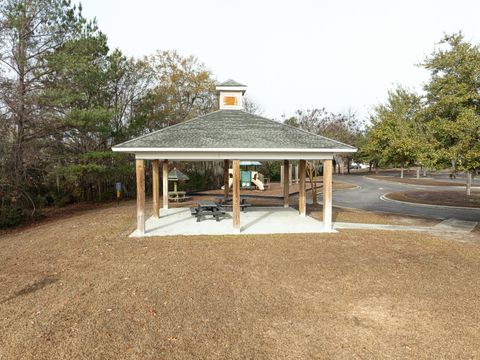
(230, 82)
(233, 129)
(176, 175)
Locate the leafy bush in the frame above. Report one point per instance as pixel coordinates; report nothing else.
(197, 182)
(271, 169)
(11, 216)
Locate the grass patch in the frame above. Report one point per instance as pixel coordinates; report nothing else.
(370, 217)
(428, 182)
(437, 197)
(79, 287)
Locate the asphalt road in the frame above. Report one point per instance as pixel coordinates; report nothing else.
(367, 197)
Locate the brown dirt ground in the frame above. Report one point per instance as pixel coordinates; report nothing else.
(78, 288)
(435, 197)
(429, 182)
(275, 189)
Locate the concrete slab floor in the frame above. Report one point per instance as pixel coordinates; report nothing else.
(258, 220)
(270, 220)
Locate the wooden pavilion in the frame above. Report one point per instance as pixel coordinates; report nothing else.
(231, 134)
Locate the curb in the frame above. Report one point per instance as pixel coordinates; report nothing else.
(355, 187)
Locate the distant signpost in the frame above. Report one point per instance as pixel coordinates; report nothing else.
(118, 189)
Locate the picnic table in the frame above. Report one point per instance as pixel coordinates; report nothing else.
(177, 196)
(229, 202)
(205, 207)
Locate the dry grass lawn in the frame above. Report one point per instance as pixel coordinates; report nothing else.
(79, 288)
(369, 217)
(414, 181)
(437, 197)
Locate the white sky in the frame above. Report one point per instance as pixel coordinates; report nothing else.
(298, 53)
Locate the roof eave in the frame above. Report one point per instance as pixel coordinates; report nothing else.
(243, 89)
(230, 150)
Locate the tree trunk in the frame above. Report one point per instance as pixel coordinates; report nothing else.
(469, 182)
(20, 109)
(370, 167)
(418, 172)
(311, 173)
(314, 191)
(424, 172)
(401, 172)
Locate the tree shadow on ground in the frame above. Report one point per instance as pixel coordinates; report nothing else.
(31, 288)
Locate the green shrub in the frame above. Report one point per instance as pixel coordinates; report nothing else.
(271, 169)
(197, 182)
(11, 216)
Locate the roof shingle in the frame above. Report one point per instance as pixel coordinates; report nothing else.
(230, 82)
(232, 129)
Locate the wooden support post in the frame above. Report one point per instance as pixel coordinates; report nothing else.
(286, 189)
(140, 172)
(236, 195)
(302, 200)
(165, 184)
(281, 175)
(156, 188)
(290, 174)
(327, 194)
(226, 165)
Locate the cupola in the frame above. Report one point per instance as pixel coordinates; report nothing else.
(231, 95)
